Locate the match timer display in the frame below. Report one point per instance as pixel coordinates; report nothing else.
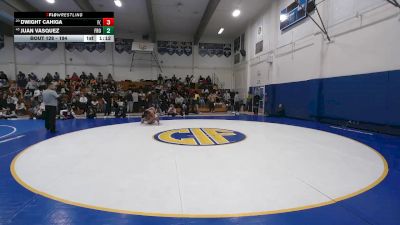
(63, 27)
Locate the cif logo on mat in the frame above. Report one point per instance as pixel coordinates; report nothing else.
(199, 136)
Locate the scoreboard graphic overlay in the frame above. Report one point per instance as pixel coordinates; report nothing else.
(63, 27)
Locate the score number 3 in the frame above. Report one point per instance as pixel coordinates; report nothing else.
(108, 22)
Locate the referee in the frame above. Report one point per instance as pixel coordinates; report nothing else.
(50, 101)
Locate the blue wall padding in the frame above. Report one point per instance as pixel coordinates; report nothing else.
(371, 98)
(299, 98)
(361, 98)
(393, 98)
(269, 96)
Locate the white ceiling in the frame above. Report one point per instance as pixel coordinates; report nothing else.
(132, 17)
(178, 17)
(171, 17)
(62, 5)
(222, 17)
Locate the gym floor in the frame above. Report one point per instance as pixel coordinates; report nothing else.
(197, 170)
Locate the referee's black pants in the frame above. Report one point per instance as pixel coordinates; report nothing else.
(50, 117)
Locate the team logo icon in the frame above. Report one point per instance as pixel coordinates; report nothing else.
(199, 136)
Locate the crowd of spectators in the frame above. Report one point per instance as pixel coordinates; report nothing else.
(89, 95)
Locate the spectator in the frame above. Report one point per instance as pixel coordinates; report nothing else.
(3, 79)
(75, 77)
(7, 113)
(56, 77)
(12, 101)
(202, 101)
(32, 85)
(99, 78)
(249, 102)
(129, 100)
(179, 101)
(160, 79)
(201, 80)
(237, 103)
(184, 109)
(94, 102)
(3, 101)
(135, 100)
(37, 110)
(256, 103)
(28, 95)
(91, 76)
(83, 76)
(173, 79)
(20, 108)
(108, 102)
(83, 101)
(37, 93)
(196, 102)
(211, 101)
(280, 111)
(81, 93)
(227, 97)
(171, 110)
(188, 80)
(67, 79)
(120, 108)
(21, 80)
(208, 79)
(67, 113)
(32, 76)
(92, 109)
(48, 78)
(164, 102)
(232, 100)
(110, 79)
(142, 100)
(3, 76)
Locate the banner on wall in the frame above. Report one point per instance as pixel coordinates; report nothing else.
(259, 46)
(123, 45)
(236, 45)
(242, 37)
(217, 49)
(100, 46)
(175, 47)
(237, 58)
(81, 46)
(259, 39)
(36, 45)
(259, 34)
(1, 41)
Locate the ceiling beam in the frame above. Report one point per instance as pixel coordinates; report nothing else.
(85, 5)
(20, 5)
(208, 13)
(153, 35)
(16, 5)
(6, 29)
